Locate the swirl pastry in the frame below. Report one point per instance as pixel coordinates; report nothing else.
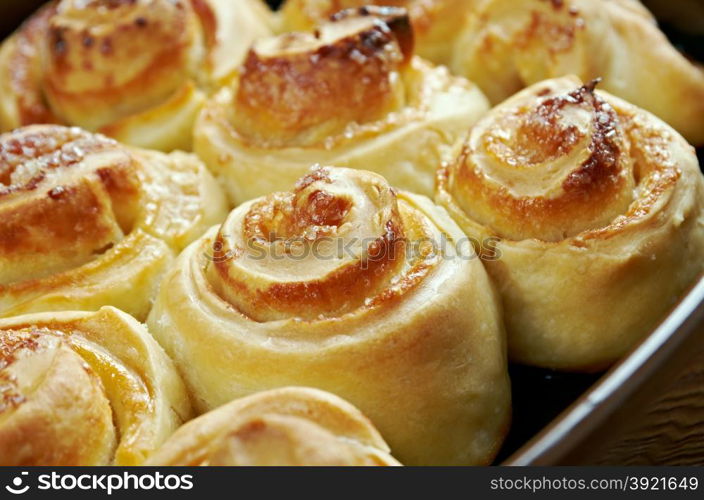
(289, 426)
(597, 209)
(84, 388)
(435, 22)
(341, 284)
(86, 222)
(136, 70)
(508, 44)
(348, 94)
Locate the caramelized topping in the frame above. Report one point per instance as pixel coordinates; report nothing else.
(26, 357)
(308, 212)
(299, 88)
(319, 250)
(14, 342)
(26, 159)
(606, 146)
(109, 59)
(395, 18)
(548, 164)
(65, 196)
(305, 14)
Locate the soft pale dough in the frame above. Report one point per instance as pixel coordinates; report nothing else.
(342, 284)
(289, 426)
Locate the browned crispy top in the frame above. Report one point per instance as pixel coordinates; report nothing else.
(65, 197)
(560, 160)
(337, 242)
(91, 63)
(305, 14)
(298, 88)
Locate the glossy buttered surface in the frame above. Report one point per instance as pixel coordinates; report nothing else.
(135, 70)
(506, 45)
(85, 388)
(87, 222)
(330, 278)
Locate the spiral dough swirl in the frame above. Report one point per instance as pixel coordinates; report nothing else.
(346, 285)
(84, 389)
(587, 194)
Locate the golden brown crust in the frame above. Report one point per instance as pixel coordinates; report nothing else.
(435, 22)
(325, 205)
(289, 426)
(507, 45)
(24, 73)
(98, 64)
(346, 285)
(579, 187)
(84, 389)
(577, 131)
(108, 61)
(74, 205)
(58, 207)
(299, 88)
(351, 94)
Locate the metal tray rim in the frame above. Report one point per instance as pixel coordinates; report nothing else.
(576, 423)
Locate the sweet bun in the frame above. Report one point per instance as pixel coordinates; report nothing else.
(138, 71)
(87, 222)
(507, 45)
(290, 426)
(84, 388)
(345, 285)
(595, 208)
(435, 22)
(350, 93)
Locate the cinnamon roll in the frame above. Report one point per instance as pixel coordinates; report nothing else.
(595, 207)
(508, 44)
(281, 427)
(137, 70)
(436, 23)
(84, 388)
(350, 94)
(345, 285)
(87, 222)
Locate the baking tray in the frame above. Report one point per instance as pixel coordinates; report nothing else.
(649, 408)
